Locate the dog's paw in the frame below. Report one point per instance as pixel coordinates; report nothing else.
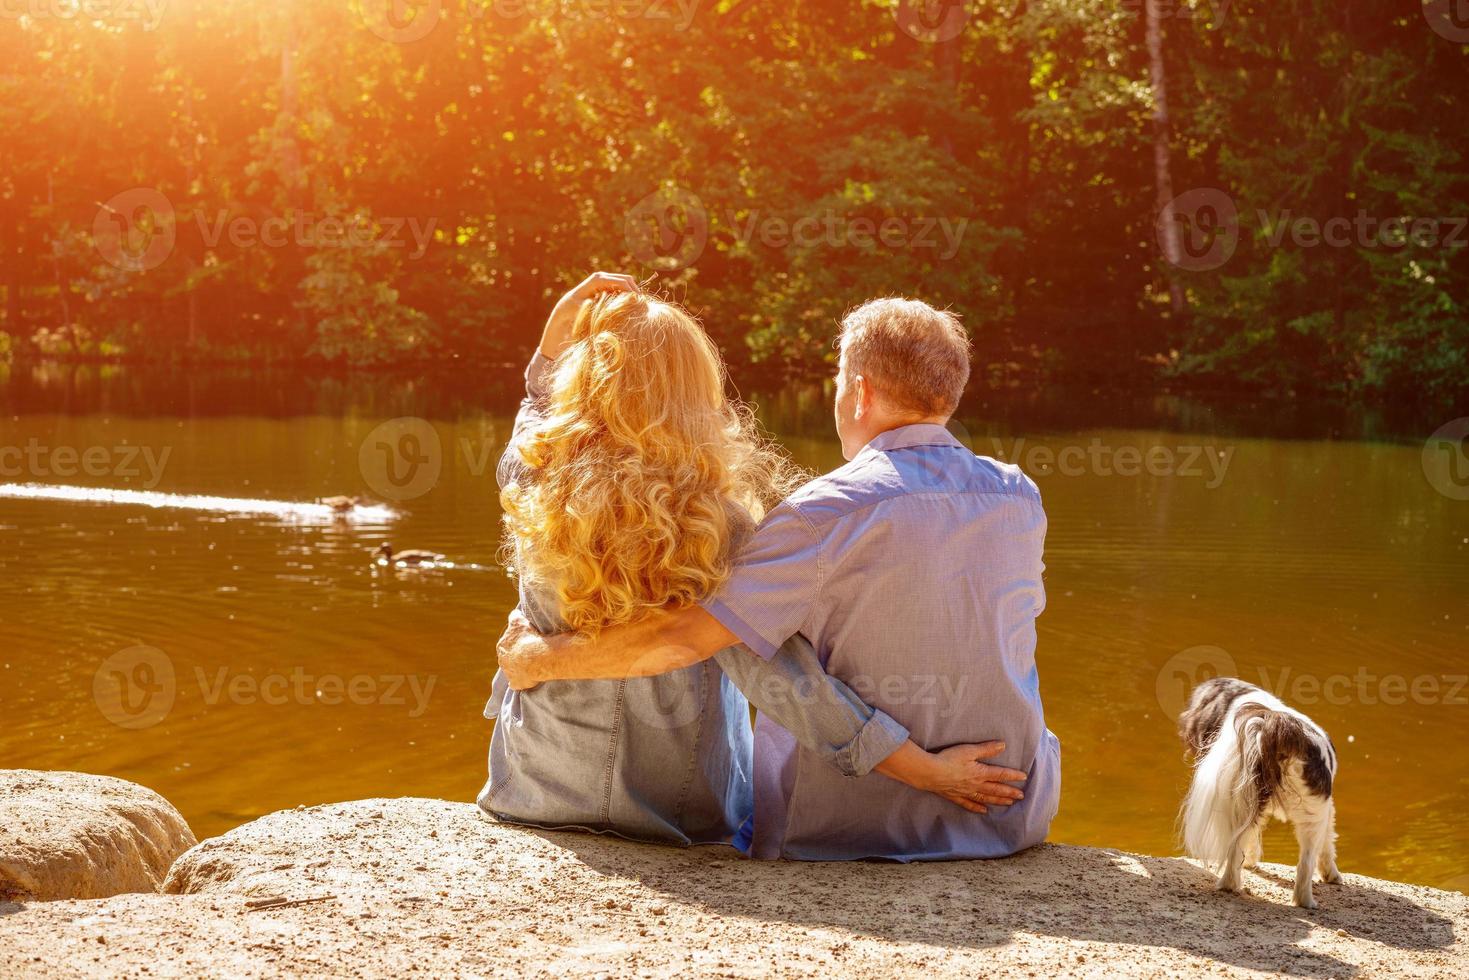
(1332, 877)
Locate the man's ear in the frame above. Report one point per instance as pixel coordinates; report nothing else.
(861, 397)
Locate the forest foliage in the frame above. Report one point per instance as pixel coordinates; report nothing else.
(380, 181)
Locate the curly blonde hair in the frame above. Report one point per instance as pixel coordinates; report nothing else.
(633, 472)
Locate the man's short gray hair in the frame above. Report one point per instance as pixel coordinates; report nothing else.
(915, 355)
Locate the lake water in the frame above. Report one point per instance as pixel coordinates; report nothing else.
(243, 655)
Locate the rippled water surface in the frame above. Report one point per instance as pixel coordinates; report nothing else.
(217, 634)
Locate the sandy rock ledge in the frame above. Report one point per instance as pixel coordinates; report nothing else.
(73, 835)
(428, 887)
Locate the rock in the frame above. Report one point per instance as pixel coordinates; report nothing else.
(73, 835)
(353, 895)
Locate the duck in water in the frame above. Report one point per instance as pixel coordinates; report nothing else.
(409, 558)
(340, 505)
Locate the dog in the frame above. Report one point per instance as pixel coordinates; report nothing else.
(1255, 758)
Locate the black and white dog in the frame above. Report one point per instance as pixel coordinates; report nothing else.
(1255, 758)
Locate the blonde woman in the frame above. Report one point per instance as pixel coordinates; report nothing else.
(629, 483)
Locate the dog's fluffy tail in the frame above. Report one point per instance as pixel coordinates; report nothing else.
(1225, 798)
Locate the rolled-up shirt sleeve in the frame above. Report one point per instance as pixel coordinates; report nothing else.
(823, 714)
(776, 582)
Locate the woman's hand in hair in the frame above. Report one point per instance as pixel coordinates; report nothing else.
(557, 334)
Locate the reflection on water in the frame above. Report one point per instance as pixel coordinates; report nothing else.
(282, 509)
(191, 628)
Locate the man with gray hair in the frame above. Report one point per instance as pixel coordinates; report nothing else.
(915, 572)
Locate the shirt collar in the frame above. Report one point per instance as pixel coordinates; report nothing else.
(909, 436)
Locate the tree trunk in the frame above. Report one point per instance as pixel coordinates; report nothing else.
(296, 192)
(192, 264)
(1162, 170)
(946, 67)
(10, 251)
(290, 153)
(193, 341)
(63, 282)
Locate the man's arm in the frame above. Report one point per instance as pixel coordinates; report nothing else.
(671, 640)
(826, 716)
(791, 687)
(664, 641)
(829, 719)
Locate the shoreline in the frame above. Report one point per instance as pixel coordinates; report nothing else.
(1002, 374)
(386, 887)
